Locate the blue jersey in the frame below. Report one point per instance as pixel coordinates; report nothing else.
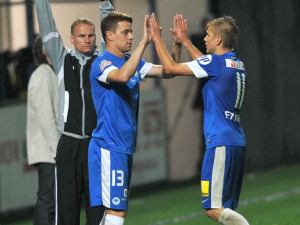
(223, 94)
(116, 103)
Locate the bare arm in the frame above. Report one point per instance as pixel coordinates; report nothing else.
(176, 49)
(179, 34)
(169, 65)
(157, 70)
(193, 51)
(129, 68)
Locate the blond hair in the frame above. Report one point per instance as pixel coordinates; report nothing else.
(225, 27)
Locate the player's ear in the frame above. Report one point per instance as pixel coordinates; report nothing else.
(109, 35)
(218, 40)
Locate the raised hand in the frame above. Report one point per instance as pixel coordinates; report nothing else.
(146, 33)
(179, 31)
(155, 29)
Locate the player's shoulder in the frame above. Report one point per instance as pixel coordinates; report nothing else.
(102, 57)
(208, 59)
(103, 61)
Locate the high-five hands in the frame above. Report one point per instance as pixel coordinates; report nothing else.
(179, 31)
(146, 34)
(155, 29)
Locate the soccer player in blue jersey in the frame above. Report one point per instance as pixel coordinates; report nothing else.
(223, 94)
(115, 78)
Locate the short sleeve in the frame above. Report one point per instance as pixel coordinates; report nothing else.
(145, 69)
(103, 78)
(205, 66)
(104, 68)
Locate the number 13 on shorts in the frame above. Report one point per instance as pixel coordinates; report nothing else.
(117, 177)
(120, 174)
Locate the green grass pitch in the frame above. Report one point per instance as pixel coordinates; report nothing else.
(271, 197)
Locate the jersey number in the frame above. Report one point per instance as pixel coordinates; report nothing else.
(117, 178)
(241, 85)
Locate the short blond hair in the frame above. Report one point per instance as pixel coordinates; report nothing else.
(225, 27)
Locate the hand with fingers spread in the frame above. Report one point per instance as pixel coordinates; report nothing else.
(146, 34)
(179, 31)
(155, 29)
(180, 36)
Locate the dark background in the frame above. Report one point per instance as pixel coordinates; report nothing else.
(269, 46)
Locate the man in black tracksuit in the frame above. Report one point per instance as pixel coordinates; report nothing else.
(76, 114)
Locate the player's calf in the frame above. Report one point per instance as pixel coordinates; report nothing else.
(230, 217)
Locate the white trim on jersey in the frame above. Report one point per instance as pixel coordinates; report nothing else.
(198, 71)
(145, 69)
(217, 180)
(103, 77)
(105, 174)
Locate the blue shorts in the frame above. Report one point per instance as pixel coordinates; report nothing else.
(109, 177)
(222, 177)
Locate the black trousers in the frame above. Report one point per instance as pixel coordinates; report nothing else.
(73, 183)
(44, 212)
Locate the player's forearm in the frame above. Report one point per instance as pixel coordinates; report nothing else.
(130, 67)
(164, 56)
(193, 51)
(176, 52)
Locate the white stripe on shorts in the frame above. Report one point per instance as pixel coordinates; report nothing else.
(217, 180)
(56, 210)
(105, 176)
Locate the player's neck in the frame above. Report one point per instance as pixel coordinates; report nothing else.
(221, 51)
(115, 52)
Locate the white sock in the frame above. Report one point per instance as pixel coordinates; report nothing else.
(230, 217)
(103, 218)
(111, 220)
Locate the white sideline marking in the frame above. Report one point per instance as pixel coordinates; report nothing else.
(241, 204)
